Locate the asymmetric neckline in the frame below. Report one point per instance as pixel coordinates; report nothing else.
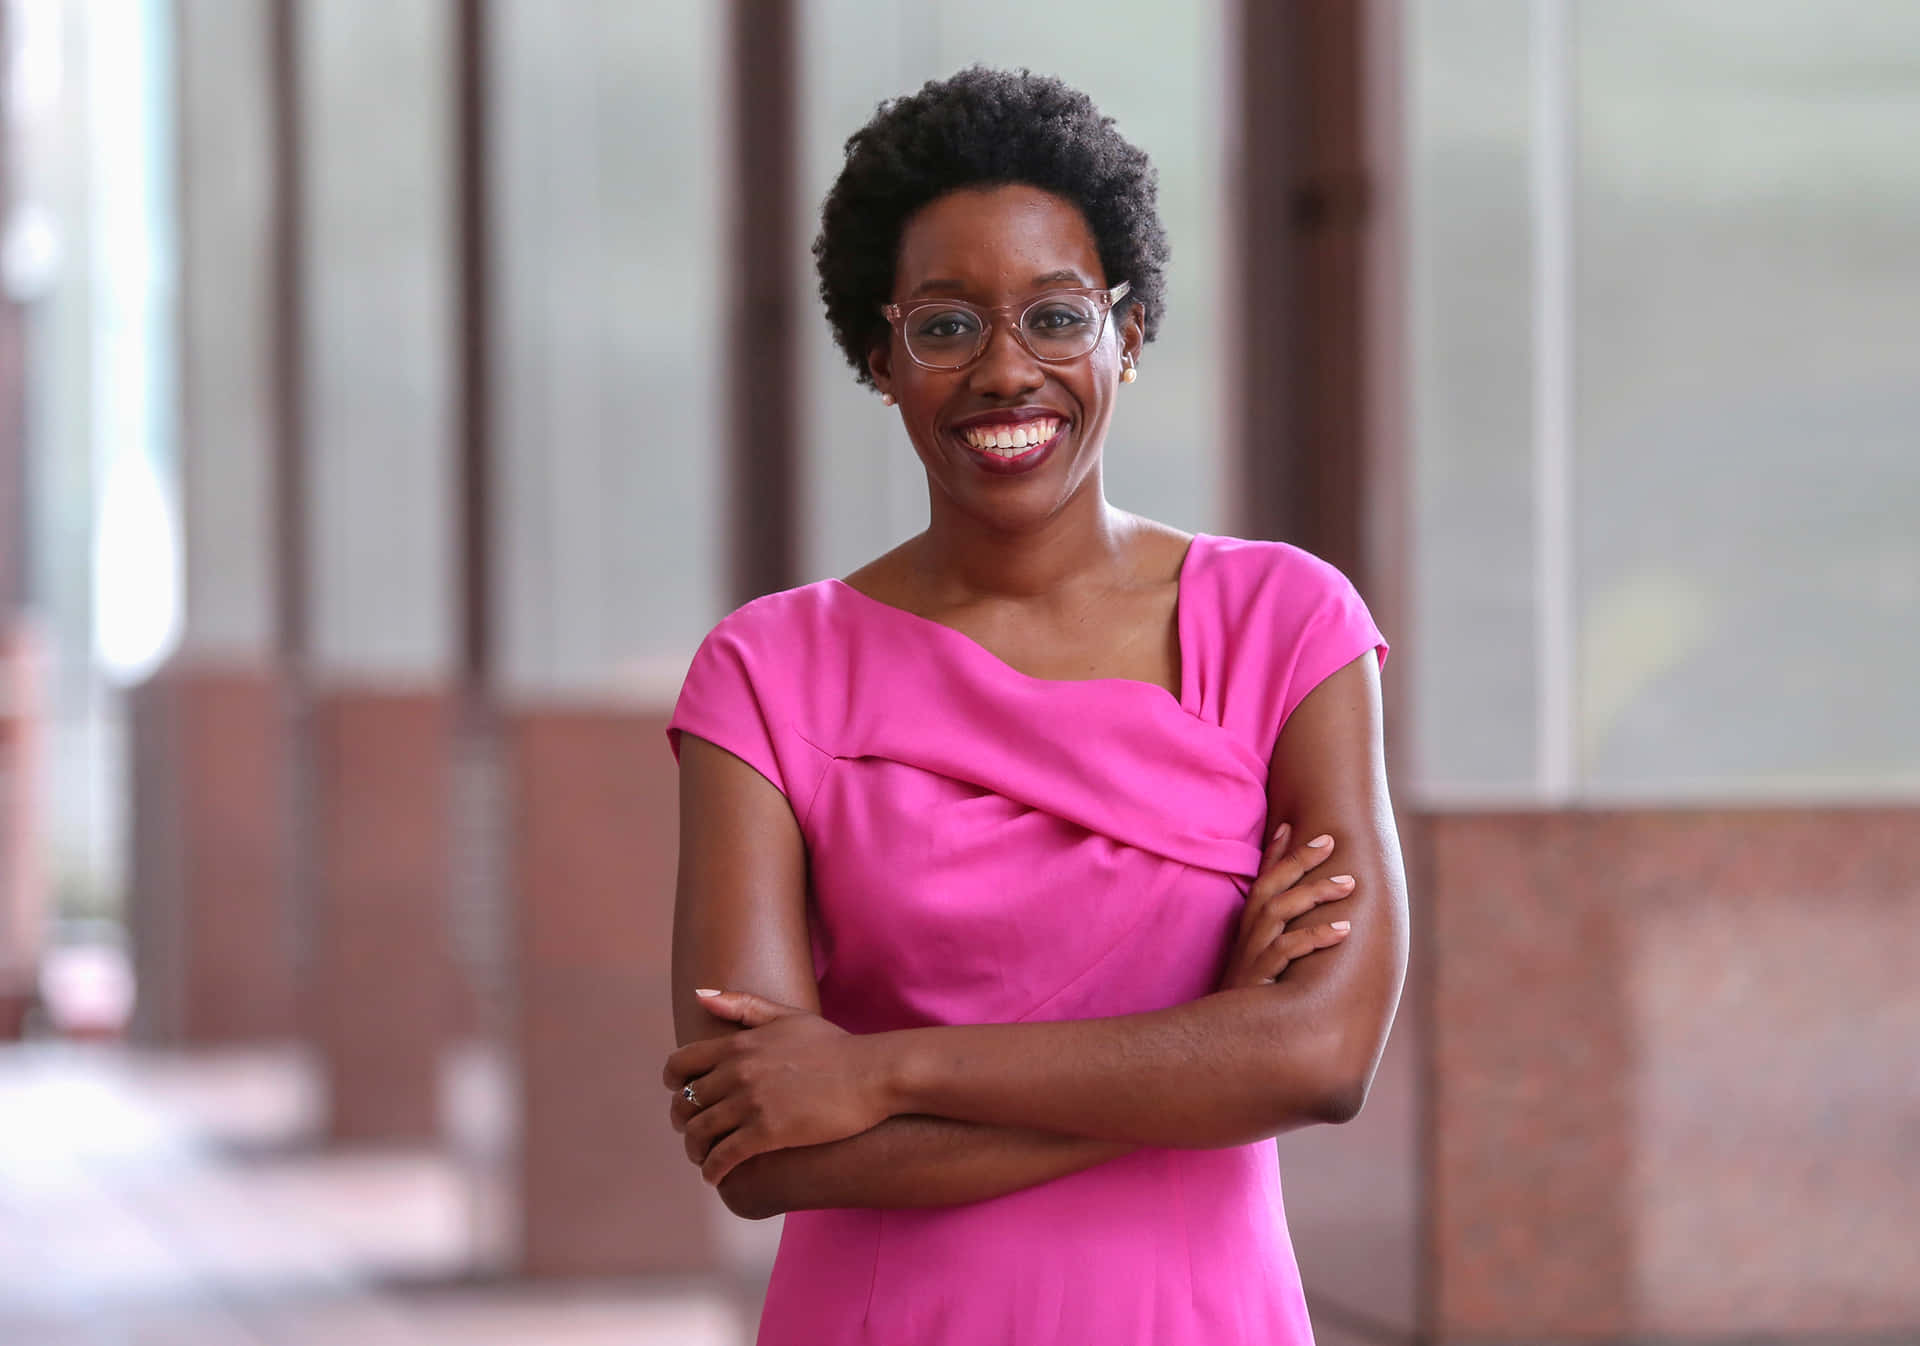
(1189, 682)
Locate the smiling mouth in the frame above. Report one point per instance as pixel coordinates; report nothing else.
(1008, 442)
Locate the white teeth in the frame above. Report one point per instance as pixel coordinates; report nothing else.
(1011, 441)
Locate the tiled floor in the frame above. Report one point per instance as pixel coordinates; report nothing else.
(156, 1200)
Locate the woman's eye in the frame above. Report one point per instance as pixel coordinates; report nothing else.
(946, 323)
(1056, 318)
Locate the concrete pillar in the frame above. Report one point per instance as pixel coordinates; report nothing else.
(1672, 1090)
(608, 425)
(212, 940)
(375, 112)
(213, 957)
(22, 872)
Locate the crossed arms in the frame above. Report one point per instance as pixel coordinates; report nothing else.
(794, 1113)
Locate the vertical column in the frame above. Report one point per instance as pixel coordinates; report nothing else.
(1323, 463)
(22, 879)
(476, 1123)
(763, 340)
(1269, 100)
(1309, 205)
(377, 150)
(212, 947)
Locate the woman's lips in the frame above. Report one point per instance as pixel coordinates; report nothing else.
(1011, 447)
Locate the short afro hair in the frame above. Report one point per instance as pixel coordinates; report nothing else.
(981, 128)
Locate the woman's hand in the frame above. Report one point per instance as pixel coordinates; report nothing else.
(792, 1079)
(1283, 891)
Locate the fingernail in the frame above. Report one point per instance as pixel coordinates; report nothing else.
(1342, 925)
(1321, 840)
(1341, 879)
(704, 992)
(1279, 832)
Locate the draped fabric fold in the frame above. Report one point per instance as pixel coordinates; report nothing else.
(1163, 780)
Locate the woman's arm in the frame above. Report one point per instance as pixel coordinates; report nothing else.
(1239, 1065)
(1229, 1068)
(740, 920)
(909, 1161)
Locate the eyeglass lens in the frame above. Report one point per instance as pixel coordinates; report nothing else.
(1061, 327)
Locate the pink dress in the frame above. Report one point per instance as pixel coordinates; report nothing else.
(989, 847)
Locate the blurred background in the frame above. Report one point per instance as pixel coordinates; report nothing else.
(392, 392)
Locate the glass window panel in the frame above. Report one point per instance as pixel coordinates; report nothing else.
(376, 127)
(1471, 296)
(376, 123)
(608, 125)
(1748, 385)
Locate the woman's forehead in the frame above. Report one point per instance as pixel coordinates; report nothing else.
(1007, 239)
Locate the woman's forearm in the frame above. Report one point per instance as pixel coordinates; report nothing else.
(909, 1161)
(1227, 1069)
(1230, 1068)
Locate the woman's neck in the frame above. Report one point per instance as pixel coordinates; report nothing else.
(958, 560)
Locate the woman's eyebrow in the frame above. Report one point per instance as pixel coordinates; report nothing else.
(937, 283)
(947, 283)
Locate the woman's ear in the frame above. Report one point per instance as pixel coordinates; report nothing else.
(1133, 330)
(880, 365)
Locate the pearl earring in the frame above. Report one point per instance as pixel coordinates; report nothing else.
(1129, 374)
(886, 399)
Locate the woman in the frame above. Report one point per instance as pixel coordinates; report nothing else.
(994, 854)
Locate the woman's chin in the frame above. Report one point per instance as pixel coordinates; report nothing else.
(1018, 504)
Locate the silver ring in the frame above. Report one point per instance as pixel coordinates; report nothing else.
(686, 1092)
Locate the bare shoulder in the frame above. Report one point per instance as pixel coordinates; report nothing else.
(1160, 548)
(888, 577)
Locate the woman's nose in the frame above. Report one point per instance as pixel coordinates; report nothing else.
(1006, 367)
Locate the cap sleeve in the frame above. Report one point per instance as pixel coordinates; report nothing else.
(757, 687)
(720, 703)
(1338, 629)
(1269, 623)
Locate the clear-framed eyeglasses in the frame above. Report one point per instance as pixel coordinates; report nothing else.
(1054, 325)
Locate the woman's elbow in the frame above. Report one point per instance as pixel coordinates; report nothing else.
(1333, 1089)
(1298, 1102)
(749, 1193)
(1340, 1101)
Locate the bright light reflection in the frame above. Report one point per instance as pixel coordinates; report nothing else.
(136, 571)
(136, 576)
